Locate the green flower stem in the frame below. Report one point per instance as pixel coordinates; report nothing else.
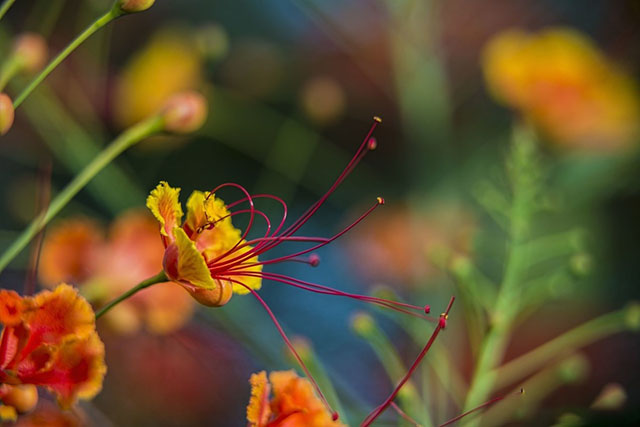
(103, 20)
(9, 69)
(158, 278)
(580, 336)
(395, 369)
(523, 176)
(74, 146)
(5, 6)
(517, 407)
(130, 137)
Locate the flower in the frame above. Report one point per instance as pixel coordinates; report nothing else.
(565, 86)
(76, 251)
(212, 259)
(207, 238)
(293, 404)
(48, 340)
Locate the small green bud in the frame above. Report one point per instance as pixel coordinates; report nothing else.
(574, 369)
(133, 6)
(581, 264)
(632, 316)
(612, 397)
(6, 113)
(362, 324)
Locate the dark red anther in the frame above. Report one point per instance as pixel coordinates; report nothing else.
(427, 309)
(372, 144)
(314, 260)
(443, 320)
(335, 416)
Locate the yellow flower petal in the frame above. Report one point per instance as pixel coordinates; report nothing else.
(164, 204)
(258, 410)
(252, 282)
(191, 265)
(196, 216)
(8, 413)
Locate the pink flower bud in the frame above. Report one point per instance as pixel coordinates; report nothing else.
(133, 6)
(31, 50)
(185, 112)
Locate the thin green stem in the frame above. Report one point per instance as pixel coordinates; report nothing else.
(5, 6)
(130, 137)
(568, 342)
(158, 278)
(9, 69)
(95, 26)
(524, 175)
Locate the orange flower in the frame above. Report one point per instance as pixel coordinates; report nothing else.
(48, 340)
(561, 82)
(294, 403)
(76, 251)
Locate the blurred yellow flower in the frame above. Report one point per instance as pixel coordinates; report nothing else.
(564, 85)
(170, 63)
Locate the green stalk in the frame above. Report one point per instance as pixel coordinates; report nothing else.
(516, 407)
(580, 336)
(9, 69)
(74, 146)
(5, 6)
(130, 137)
(158, 278)
(524, 175)
(103, 20)
(366, 327)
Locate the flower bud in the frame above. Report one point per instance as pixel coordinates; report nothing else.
(185, 112)
(362, 324)
(216, 297)
(612, 397)
(6, 113)
(31, 50)
(133, 6)
(22, 397)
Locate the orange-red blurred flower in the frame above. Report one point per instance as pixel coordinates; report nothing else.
(293, 404)
(402, 246)
(48, 340)
(76, 251)
(561, 82)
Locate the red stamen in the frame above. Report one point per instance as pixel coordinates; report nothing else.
(483, 406)
(334, 414)
(380, 409)
(287, 280)
(404, 415)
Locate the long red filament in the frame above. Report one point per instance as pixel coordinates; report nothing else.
(287, 280)
(404, 414)
(262, 302)
(380, 409)
(485, 405)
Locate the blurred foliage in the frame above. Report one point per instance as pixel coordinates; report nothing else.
(528, 213)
